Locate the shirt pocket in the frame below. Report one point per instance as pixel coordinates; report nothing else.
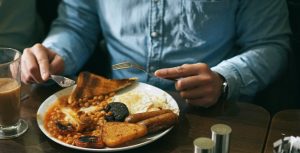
(208, 7)
(200, 20)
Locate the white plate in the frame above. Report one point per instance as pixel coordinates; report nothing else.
(134, 144)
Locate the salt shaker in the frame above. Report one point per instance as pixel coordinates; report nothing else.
(203, 145)
(221, 137)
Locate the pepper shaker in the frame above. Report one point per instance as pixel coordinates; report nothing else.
(203, 145)
(221, 137)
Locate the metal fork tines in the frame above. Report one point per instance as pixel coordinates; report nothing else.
(62, 81)
(127, 65)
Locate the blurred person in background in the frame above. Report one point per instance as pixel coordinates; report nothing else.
(221, 49)
(20, 26)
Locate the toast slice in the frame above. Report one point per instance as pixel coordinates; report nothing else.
(118, 133)
(90, 85)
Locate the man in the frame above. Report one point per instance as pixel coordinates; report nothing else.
(204, 44)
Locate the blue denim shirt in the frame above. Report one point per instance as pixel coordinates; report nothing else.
(246, 41)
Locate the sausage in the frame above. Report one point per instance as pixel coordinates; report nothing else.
(159, 122)
(134, 118)
(89, 142)
(64, 128)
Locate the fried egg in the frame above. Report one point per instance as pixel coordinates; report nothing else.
(138, 101)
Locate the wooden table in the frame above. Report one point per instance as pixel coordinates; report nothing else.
(285, 122)
(248, 122)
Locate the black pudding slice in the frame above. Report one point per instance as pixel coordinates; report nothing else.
(119, 112)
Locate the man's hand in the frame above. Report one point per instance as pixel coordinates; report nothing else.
(196, 83)
(38, 62)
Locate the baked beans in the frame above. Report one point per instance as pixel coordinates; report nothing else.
(90, 123)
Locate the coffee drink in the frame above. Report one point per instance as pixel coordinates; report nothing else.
(9, 101)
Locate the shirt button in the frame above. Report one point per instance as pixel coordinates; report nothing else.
(152, 68)
(154, 34)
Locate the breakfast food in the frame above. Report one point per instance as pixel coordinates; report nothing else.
(89, 142)
(98, 120)
(117, 133)
(142, 101)
(118, 112)
(154, 120)
(134, 118)
(90, 86)
(159, 122)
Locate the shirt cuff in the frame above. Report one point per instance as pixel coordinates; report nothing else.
(230, 74)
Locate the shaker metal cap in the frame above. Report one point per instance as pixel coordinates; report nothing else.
(203, 145)
(221, 129)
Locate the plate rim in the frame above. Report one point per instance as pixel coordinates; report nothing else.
(64, 91)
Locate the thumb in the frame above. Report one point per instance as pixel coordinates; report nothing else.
(57, 65)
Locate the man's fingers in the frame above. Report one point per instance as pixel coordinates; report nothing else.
(192, 82)
(30, 67)
(51, 54)
(42, 58)
(36, 63)
(26, 77)
(194, 93)
(181, 71)
(175, 72)
(56, 65)
(203, 102)
(35, 66)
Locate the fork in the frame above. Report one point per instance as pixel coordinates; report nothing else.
(62, 81)
(127, 65)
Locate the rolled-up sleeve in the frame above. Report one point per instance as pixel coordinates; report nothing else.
(74, 33)
(262, 30)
